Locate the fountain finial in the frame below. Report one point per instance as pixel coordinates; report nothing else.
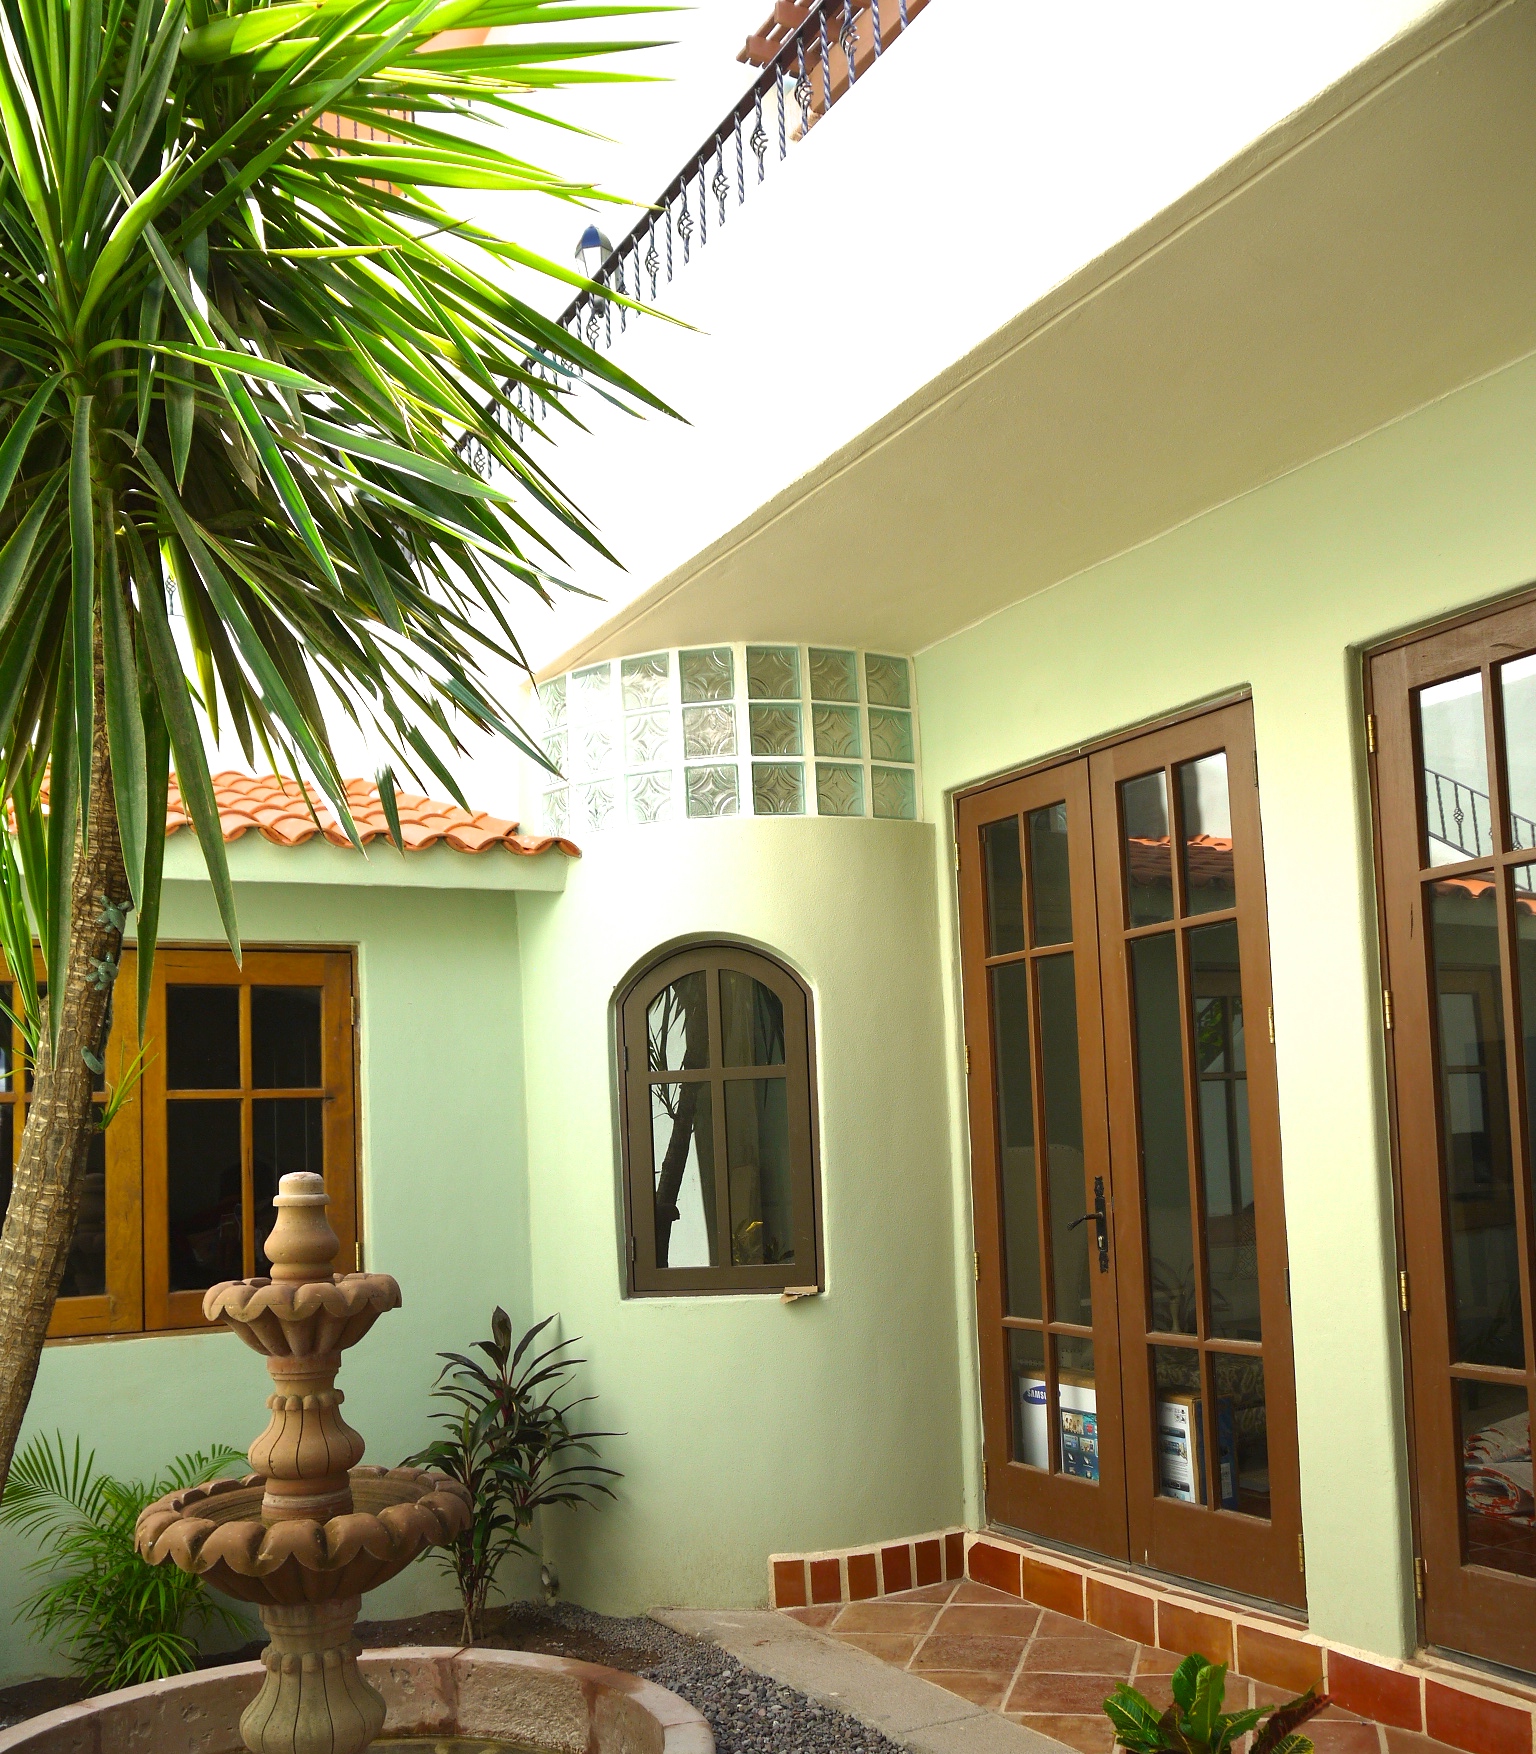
(302, 1246)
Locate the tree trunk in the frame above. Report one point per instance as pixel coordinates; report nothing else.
(45, 1194)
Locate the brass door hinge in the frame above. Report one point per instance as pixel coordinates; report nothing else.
(357, 1256)
(1386, 1005)
(985, 1483)
(1370, 733)
(354, 1010)
(967, 1059)
(957, 855)
(1418, 1577)
(1271, 1026)
(1301, 1554)
(1402, 1289)
(976, 1263)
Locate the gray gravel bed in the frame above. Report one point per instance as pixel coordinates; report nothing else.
(749, 1713)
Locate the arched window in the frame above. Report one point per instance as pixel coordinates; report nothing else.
(719, 1135)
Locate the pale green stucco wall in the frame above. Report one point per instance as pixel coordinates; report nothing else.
(751, 1426)
(443, 1190)
(1275, 591)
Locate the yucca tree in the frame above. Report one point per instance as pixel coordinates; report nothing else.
(244, 348)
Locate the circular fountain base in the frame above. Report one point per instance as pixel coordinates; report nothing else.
(521, 1700)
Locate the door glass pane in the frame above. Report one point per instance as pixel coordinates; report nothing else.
(1496, 1476)
(85, 1271)
(1208, 881)
(1474, 1104)
(1016, 1139)
(1178, 1424)
(1454, 773)
(1517, 687)
(1005, 887)
(683, 1163)
(1148, 849)
(287, 1136)
(751, 1021)
(1525, 954)
(1073, 1293)
(677, 1025)
(1077, 1411)
(285, 1039)
(1221, 1064)
(1050, 883)
(1164, 1147)
(5, 1038)
(757, 1155)
(1242, 1433)
(202, 1046)
(1031, 1420)
(203, 1191)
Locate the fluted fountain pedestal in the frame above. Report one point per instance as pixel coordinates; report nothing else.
(310, 1530)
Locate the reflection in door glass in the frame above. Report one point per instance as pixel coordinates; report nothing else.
(1525, 956)
(683, 1162)
(1226, 1158)
(1050, 885)
(1005, 887)
(1148, 850)
(1496, 1476)
(1077, 1407)
(1454, 771)
(1517, 688)
(1207, 850)
(1016, 1139)
(1164, 1151)
(677, 1026)
(1474, 1101)
(1072, 1300)
(1178, 1415)
(1242, 1425)
(751, 1020)
(758, 1171)
(1026, 1378)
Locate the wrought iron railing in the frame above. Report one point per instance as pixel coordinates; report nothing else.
(1459, 816)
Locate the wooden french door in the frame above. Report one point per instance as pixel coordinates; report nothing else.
(1455, 781)
(1137, 1376)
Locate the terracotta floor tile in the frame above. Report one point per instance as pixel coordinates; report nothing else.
(1337, 1736)
(1089, 1735)
(983, 1619)
(981, 1592)
(890, 1647)
(823, 1616)
(980, 1689)
(1152, 1661)
(1156, 1690)
(932, 1592)
(1071, 1695)
(1411, 1742)
(1054, 1625)
(981, 1655)
(1081, 1656)
(887, 1616)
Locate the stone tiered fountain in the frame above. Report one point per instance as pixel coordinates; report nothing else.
(310, 1530)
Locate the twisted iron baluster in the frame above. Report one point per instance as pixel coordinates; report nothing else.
(759, 140)
(803, 92)
(874, 20)
(901, 9)
(703, 207)
(685, 228)
(720, 182)
(623, 290)
(652, 260)
(741, 175)
(850, 41)
(826, 63)
(669, 243)
(783, 139)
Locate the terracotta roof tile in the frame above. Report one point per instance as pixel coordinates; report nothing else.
(275, 806)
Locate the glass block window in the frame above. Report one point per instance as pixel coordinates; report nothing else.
(728, 730)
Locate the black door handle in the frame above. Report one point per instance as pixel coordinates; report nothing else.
(1100, 1217)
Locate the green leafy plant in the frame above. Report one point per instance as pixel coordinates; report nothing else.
(119, 1620)
(509, 1440)
(1195, 1722)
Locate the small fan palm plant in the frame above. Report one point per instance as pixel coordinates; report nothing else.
(118, 1620)
(1195, 1722)
(244, 353)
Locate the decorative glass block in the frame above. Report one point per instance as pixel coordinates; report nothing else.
(834, 675)
(773, 672)
(592, 750)
(895, 792)
(554, 748)
(708, 675)
(890, 735)
(775, 730)
(645, 680)
(650, 796)
(778, 788)
(557, 809)
(645, 737)
(552, 699)
(886, 681)
(596, 803)
(709, 730)
(591, 691)
(839, 790)
(712, 791)
(835, 730)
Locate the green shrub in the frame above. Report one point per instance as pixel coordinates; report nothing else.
(1195, 1722)
(509, 1440)
(118, 1620)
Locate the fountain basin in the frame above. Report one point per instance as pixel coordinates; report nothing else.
(526, 1701)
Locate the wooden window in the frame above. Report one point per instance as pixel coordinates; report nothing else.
(1454, 777)
(248, 1076)
(715, 1047)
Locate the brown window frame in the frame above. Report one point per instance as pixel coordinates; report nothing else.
(137, 1299)
(643, 1277)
